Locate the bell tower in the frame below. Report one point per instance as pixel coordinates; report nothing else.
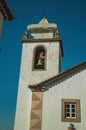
(42, 51)
(40, 61)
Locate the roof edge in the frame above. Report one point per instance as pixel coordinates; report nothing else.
(43, 85)
(6, 11)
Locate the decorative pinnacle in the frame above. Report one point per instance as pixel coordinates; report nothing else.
(25, 35)
(44, 21)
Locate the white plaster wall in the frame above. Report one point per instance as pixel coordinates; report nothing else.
(71, 88)
(52, 62)
(27, 76)
(22, 118)
(24, 98)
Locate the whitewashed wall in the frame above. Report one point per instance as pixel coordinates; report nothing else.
(71, 88)
(27, 76)
(23, 108)
(52, 62)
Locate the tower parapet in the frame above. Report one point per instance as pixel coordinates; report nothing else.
(43, 30)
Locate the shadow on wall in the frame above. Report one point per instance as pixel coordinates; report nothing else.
(71, 127)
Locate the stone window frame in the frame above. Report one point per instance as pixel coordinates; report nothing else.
(78, 112)
(34, 51)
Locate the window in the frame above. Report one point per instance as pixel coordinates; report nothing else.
(70, 110)
(39, 58)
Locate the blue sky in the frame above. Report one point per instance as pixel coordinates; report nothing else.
(70, 17)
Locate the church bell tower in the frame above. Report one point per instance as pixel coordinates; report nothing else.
(40, 61)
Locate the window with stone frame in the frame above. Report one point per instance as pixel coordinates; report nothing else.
(71, 110)
(39, 61)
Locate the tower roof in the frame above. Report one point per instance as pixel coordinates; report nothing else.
(43, 24)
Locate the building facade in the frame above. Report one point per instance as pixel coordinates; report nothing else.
(48, 98)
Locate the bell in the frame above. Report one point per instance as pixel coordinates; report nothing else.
(40, 62)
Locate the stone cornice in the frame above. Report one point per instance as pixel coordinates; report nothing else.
(26, 40)
(36, 88)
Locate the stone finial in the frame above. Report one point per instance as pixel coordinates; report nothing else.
(56, 34)
(25, 35)
(44, 21)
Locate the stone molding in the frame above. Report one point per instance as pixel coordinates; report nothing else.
(25, 39)
(78, 117)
